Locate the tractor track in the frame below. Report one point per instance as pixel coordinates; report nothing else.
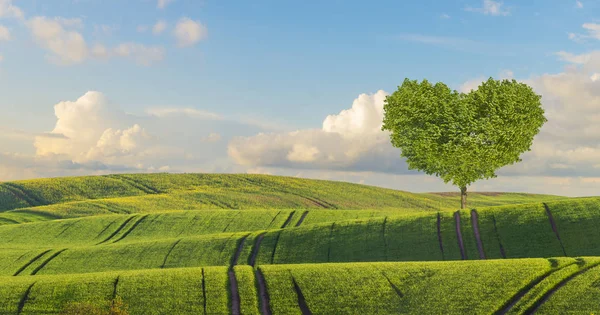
(439, 234)
(301, 218)
(475, 225)
(459, 237)
(554, 228)
(263, 294)
(43, 264)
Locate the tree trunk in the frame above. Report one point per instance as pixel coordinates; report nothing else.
(463, 197)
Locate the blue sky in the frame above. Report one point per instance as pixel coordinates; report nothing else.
(271, 67)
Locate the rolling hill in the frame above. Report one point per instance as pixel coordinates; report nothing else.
(259, 244)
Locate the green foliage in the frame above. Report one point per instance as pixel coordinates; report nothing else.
(458, 137)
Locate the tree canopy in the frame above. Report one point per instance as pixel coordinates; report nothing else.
(460, 137)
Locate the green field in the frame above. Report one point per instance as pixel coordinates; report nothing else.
(258, 244)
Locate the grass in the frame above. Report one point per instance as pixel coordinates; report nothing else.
(342, 288)
(165, 244)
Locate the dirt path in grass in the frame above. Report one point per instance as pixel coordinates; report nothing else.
(235, 294)
(554, 228)
(263, 294)
(461, 245)
(439, 234)
(238, 251)
(475, 224)
(255, 249)
(559, 285)
(302, 218)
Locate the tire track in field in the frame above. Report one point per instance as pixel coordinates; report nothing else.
(105, 228)
(523, 291)
(288, 220)
(24, 299)
(502, 252)
(262, 293)
(330, 239)
(439, 234)
(273, 220)
(302, 218)
(169, 253)
(10, 221)
(238, 251)
(122, 226)
(235, 293)
(398, 292)
(43, 264)
(554, 228)
(140, 186)
(385, 243)
(461, 245)
(231, 220)
(475, 225)
(544, 298)
(18, 192)
(301, 300)
(132, 228)
(256, 248)
(203, 291)
(31, 262)
(115, 284)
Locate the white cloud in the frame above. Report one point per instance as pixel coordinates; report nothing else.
(578, 4)
(159, 27)
(189, 32)
(161, 4)
(65, 46)
(192, 112)
(8, 10)
(491, 7)
(445, 16)
(593, 32)
(104, 29)
(350, 140)
(4, 33)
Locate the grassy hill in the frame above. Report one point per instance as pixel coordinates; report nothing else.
(258, 244)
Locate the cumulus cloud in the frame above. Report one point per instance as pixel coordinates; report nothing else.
(578, 4)
(66, 46)
(212, 137)
(351, 140)
(8, 10)
(593, 32)
(491, 7)
(159, 27)
(4, 33)
(568, 145)
(188, 32)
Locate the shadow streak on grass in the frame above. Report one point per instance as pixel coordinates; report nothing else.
(36, 270)
(132, 227)
(521, 293)
(118, 229)
(31, 262)
(502, 252)
(302, 218)
(301, 300)
(289, 219)
(559, 285)
(24, 299)
(554, 228)
(203, 291)
(169, 253)
(475, 224)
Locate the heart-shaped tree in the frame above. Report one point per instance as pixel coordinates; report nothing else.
(462, 137)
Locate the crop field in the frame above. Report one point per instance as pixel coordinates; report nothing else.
(258, 244)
